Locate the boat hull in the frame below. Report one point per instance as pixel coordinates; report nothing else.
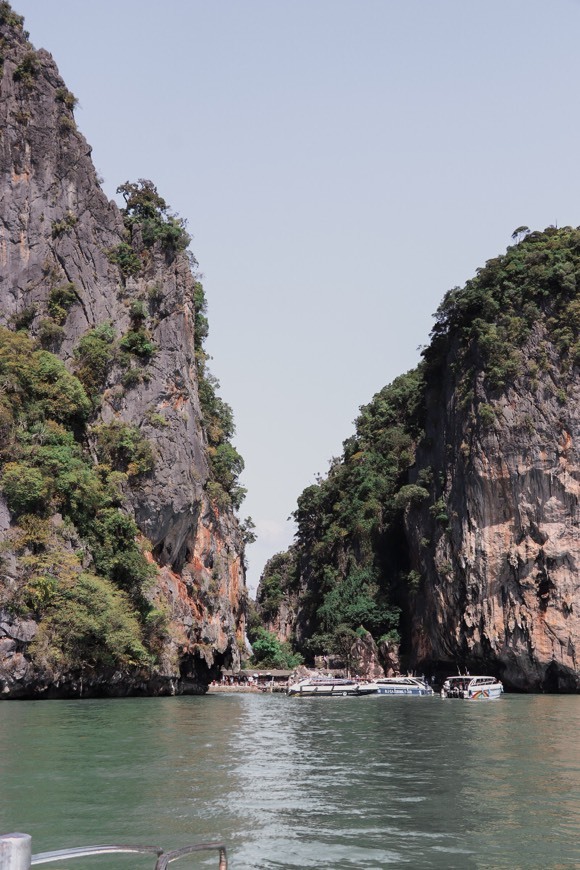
(486, 693)
(403, 690)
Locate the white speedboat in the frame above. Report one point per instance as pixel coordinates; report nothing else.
(330, 686)
(472, 688)
(402, 686)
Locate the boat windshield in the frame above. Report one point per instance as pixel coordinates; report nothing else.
(464, 682)
(330, 681)
(458, 682)
(397, 681)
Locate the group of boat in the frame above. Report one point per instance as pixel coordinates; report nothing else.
(475, 688)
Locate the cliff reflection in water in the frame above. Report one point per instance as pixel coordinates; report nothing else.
(301, 783)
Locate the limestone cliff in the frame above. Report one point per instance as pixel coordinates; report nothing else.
(500, 573)
(71, 263)
(278, 596)
(451, 522)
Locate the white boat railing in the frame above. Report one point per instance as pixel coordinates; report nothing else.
(16, 852)
(87, 851)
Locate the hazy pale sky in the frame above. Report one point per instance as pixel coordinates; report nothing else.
(341, 164)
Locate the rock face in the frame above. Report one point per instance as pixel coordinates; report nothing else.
(278, 596)
(456, 502)
(372, 661)
(58, 227)
(502, 588)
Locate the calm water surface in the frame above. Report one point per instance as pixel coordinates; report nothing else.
(298, 782)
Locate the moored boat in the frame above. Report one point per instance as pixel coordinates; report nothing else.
(331, 686)
(402, 686)
(472, 688)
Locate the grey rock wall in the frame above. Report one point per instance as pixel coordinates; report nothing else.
(501, 589)
(57, 226)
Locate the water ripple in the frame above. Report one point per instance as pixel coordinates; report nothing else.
(300, 783)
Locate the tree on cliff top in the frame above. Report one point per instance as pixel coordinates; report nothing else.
(145, 207)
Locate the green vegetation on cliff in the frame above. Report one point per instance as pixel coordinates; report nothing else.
(350, 566)
(269, 652)
(347, 549)
(148, 222)
(146, 209)
(280, 580)
(87, 371)
(489, 320)
(85, 567)
(83, 575)
(225, 462)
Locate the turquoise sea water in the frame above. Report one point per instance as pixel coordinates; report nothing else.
(300, 783)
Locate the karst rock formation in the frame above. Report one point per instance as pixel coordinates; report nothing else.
(63, 276)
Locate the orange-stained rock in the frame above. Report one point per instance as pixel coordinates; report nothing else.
(501, 586)
(47, 178)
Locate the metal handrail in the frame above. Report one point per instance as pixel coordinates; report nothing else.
(167, 857)
(15, 852)
(84, 851)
